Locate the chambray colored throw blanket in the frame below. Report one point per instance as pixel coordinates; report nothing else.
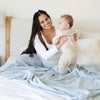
(81, 84)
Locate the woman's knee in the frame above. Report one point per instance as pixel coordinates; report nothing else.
(26, 60)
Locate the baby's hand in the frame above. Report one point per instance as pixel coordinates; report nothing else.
(61, 41)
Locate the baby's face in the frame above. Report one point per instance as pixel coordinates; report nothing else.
(63, 24)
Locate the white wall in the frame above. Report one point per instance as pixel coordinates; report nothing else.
(80, 9)
(18, 35)
(85, 13)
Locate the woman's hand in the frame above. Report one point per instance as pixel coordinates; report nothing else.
(62, 40)
(75, 36)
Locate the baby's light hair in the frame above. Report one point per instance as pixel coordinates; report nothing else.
(69, 19)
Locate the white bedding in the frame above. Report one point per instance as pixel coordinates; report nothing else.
(19, 90)
(79, 85)
(26, 79)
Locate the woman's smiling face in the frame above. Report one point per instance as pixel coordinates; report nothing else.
(45, 22)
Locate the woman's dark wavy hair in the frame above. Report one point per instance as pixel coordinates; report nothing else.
(36, 29)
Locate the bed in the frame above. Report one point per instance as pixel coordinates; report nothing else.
(30, 82)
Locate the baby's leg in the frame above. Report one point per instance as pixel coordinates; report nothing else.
(73, 67)
(63, 64)
(62, 70)
(73, 60)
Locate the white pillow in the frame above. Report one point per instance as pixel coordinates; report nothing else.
(88, 51)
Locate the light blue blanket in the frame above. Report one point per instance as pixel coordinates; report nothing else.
(81, 84)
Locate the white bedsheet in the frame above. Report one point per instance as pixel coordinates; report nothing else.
(19, 90)
(24, 78)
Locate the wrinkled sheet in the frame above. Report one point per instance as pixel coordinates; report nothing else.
(81, 84)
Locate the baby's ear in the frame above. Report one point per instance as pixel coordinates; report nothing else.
(68, 26)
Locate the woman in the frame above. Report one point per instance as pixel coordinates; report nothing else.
(41, 40)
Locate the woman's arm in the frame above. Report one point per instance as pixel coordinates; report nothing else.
(62, 40)
(56, 38)
(41, 50)
(46, 54)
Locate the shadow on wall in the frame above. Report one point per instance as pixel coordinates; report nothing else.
(2, 45)
(0, 61)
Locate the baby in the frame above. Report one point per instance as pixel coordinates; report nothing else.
(69, 49)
